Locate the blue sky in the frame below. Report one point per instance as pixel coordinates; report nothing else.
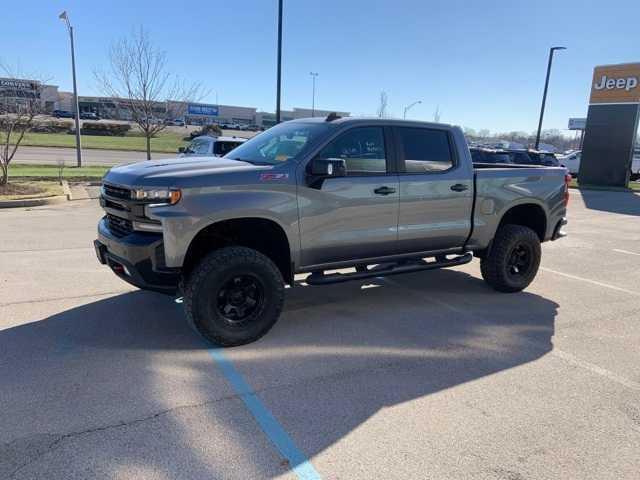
(483, 63)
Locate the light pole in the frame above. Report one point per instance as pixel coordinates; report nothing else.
(64, 17)
(544, 95)
(406, 109)
(279, 82)
(313, 95)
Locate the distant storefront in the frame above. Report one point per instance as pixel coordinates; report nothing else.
(18, 92)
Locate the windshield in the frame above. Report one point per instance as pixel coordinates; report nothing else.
(278, 144)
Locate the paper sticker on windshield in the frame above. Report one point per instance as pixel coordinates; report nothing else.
(281, 158)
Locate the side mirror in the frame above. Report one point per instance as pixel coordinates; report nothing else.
(328, 167)
(181, 150)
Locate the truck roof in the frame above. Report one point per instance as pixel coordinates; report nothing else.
(369, 120)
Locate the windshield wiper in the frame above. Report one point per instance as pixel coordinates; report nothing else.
(253, 162)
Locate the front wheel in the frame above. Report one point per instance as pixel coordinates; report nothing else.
(234, 296)
(513, 261)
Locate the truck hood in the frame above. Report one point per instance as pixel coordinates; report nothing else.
(174, 171)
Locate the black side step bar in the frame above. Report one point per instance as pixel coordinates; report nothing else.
(319, 278)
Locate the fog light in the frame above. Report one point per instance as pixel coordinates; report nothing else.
(147, 227)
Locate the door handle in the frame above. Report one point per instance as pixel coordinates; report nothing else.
(459, 187)
(384, 191)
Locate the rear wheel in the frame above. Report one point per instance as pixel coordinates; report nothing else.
(513, 261)
(234, 296)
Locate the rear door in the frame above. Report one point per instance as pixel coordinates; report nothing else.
(436, 190)
(355, 216)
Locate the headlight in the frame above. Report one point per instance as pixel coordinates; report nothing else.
(165, 196)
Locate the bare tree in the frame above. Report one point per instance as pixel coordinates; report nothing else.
(382, 106)
(139, 79)
(19, 105)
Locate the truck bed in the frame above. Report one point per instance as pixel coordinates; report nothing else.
(499, 187)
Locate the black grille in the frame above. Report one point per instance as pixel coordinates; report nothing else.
(120, 227)
(116, 192)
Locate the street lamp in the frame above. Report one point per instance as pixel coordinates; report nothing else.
(406, 109)
(544, 95)
(278, 86)
(65, 18)
(313, 95)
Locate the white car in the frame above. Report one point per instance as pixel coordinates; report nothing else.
(210, 146)
(572, 163)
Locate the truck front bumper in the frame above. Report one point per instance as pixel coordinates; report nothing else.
(137, 258)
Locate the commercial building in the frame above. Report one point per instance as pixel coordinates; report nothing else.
(111, 108)
(15, 92)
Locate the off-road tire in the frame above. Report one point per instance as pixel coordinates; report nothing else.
(495, 267)
(206, 283)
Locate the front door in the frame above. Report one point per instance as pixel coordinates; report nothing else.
(355, 216)
(436, 191)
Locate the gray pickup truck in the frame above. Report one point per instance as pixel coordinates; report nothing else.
(367, 197)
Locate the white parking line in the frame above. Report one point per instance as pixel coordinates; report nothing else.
(556, 352)
(625, 251)
(573, 360)
(593, 282)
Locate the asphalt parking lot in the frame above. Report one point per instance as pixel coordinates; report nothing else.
(428, 375)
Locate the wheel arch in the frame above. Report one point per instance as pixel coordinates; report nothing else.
(264, 235)
(527, 214)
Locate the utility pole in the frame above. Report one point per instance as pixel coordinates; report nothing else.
(279, 82)
(406, 109)
(544, 95)
(63, 16)
(313, 95)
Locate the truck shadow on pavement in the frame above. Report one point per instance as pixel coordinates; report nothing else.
(626, 203)
(123, 384)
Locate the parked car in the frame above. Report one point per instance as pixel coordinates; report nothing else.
(572, 163)
(489, 155)
(176, 122)
(532, 157)
(210, 146)
(89, 116)
(315, 195)
(62, 114)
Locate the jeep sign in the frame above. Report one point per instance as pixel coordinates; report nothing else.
(616, 84)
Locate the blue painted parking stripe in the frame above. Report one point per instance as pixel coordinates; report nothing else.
(270, 426)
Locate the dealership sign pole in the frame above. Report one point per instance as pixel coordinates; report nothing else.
(64, 16)
(544, 95)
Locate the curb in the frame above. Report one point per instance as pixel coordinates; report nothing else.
(593, 188)
(67, 190)
(33, 202)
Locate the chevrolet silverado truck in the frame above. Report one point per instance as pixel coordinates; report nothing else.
(337, 198)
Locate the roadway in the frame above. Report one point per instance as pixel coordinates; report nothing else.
(51, 156)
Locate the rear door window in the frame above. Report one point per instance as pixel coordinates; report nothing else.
(425, 150)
